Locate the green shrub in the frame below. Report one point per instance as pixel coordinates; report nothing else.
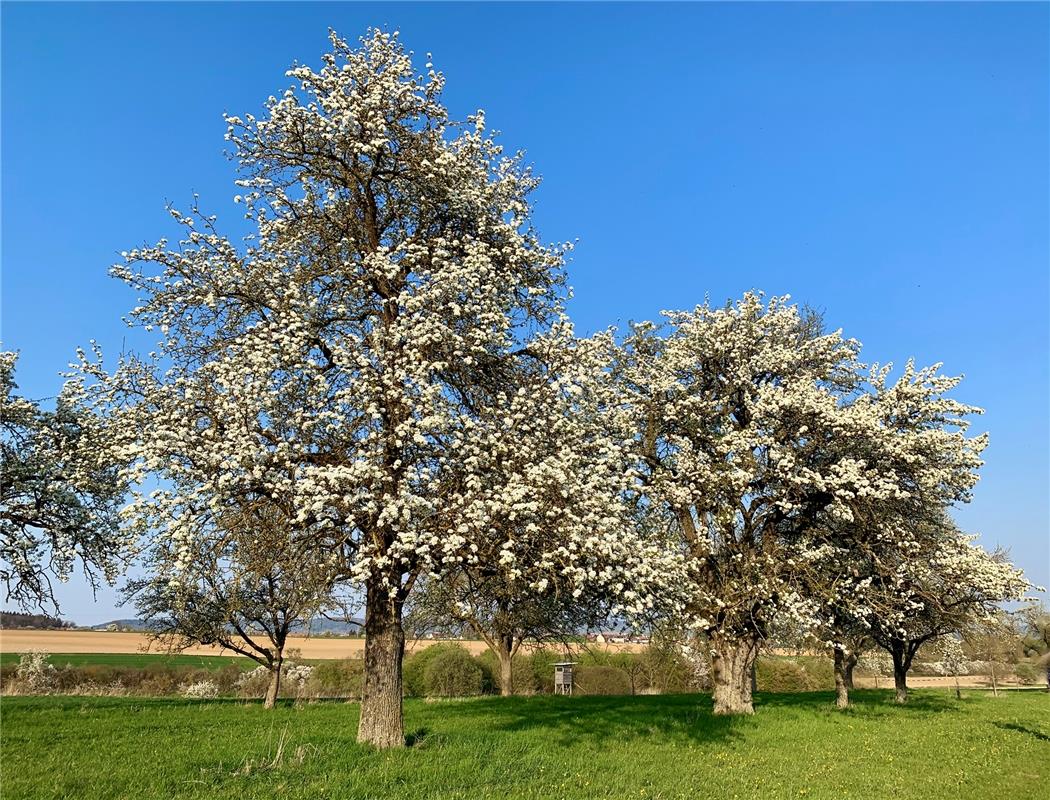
(413, 675)
(794, 675)
(452, 673)
(665, 671)
(337, 679)
(598, 679)
(537, 673)
(1028, 673)
(489, 666)
(528, 672)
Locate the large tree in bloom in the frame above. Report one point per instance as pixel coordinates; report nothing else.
(60, 496)
(758, 433)
(339, 362)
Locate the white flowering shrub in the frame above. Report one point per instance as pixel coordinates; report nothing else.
(876, 662)
(252, 676)
(35, 674)
(298, 674)
(294, 677)
(201, 690)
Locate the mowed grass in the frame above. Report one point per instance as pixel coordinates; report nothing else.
(137, 660)
(538, 747)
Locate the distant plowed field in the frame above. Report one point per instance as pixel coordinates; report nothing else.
(13, 641)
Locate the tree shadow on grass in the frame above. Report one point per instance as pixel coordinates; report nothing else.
(863, 700)
(687, 718)
(1013, 726)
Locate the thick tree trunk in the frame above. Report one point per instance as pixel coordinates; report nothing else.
(275, 685)
(841, 687)
(900, 676)
(851, 662)
(506, 666)
(381, 722)
(731, 663)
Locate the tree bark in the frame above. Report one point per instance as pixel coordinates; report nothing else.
(275, 685)
(731, 662)
(506, 666)
(995, 686)
(900, 675)
(841, 686)
(382, 723)
(851, 662)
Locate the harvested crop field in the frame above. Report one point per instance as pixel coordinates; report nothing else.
(311, 647)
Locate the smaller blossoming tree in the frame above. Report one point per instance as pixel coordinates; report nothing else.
(949, 586)
(767, 447)
(245, 587)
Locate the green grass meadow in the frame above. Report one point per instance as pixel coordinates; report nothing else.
(796, 745)
(136, 660)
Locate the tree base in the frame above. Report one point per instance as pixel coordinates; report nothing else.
(382, 724)
(731, 677)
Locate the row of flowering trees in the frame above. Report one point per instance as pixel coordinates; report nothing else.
(384, 375)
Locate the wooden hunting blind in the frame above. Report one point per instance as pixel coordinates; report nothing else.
(563, 677)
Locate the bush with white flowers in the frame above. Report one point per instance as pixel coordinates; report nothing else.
(201, 690)
(35, 674)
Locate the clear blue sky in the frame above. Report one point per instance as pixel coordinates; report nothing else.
(885, 163)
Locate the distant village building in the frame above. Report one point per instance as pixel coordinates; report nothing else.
(617, 637)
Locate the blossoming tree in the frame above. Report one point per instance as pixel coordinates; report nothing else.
(59, 495)
(337, 363)
(248, 584)
(552, 548)
(762, 441)
(951, 588)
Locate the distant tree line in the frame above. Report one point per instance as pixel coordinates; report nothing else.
(18, 619)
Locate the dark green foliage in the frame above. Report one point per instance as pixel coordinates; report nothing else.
(489, 666)
(342, 679)
(453, 672)
(415, 667)
(601, 680)
(14, 619)
(802, 674)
